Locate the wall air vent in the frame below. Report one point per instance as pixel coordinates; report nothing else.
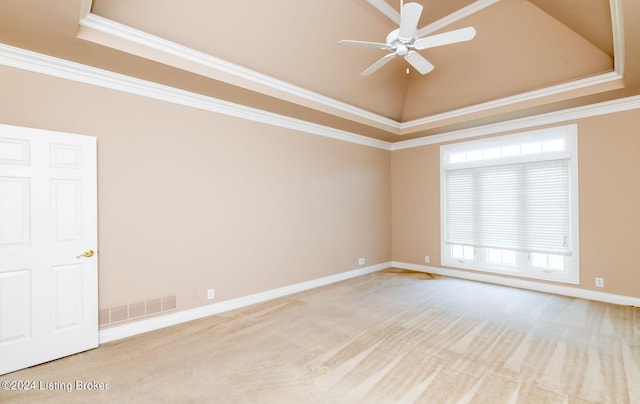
(137, 310)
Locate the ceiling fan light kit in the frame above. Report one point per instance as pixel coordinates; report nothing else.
(403, 41)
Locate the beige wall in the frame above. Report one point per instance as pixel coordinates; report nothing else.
(190, 200)
(609, 165)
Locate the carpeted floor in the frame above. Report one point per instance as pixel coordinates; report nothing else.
(389, 337)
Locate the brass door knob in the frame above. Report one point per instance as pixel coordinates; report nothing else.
(87, 254)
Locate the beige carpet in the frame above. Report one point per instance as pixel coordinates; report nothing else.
(389, 337)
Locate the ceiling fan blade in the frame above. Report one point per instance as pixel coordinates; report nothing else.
(418, 62)
(459, 35)
(386, 9)
(377, 65)
(409, 21)
(364, 44)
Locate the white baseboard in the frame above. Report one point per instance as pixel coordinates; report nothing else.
(155, 323)
(140, 327)
(524, 284)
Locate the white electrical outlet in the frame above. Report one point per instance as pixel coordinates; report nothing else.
(600, 282)
(211, 294)
(427, 259)
(361, 261)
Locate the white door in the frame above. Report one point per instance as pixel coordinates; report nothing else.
(48, 217)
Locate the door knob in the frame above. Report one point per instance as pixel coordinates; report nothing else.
(88, 254)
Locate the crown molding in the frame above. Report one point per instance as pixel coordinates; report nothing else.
(27, 60)
(618, 35)
(601, 79)
(38, 63)
(31, 61)
(220, 69)
(464, 12)
(587, 111)
(85, 8)
(110, 33)
(386, 9)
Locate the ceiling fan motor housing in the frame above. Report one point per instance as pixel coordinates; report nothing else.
(399, 46)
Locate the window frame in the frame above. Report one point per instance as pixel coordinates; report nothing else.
(524, 265)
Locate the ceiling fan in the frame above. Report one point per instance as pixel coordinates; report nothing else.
(403, 41)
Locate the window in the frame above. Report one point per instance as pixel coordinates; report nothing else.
(509, 204)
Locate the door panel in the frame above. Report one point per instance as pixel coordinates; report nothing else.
(15, 299)
(14, 151)
(14, 211)
(66, 210)
(48, 218)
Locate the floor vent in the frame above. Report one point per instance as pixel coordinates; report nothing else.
(133, 311)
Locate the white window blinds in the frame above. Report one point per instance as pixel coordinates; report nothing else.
(521, 206)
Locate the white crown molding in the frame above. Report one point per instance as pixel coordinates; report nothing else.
(57, 67)
(85, 8)
(524, 97)
(38, 63)
(386, 9)
(616, 75)
(524, 284)
(27, 60)
(139, 327)
(223, 70)
(456, 16)
(241, 76)
(31, 61)
(618, 35)
(607, 107)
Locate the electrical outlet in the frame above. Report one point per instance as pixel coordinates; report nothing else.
(361, 261)
(427, 259)
(211, 294)
(600, 282)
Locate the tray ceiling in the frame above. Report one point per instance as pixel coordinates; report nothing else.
(283, 56)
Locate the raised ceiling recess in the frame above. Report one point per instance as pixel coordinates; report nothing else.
(523, 54)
